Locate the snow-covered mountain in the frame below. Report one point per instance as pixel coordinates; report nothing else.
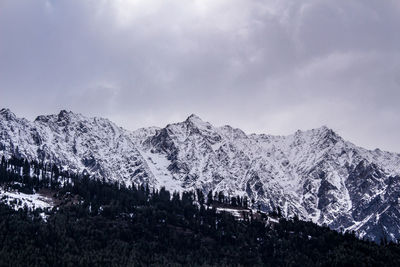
(314, 174)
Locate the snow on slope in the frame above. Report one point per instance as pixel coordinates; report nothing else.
(315, 174)
(92, 144)
(20, 200)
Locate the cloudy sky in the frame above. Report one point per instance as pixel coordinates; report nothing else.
(271, 66)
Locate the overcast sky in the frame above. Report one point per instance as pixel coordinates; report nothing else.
(262, 66)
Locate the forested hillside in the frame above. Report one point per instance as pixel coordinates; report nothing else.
(93, 223)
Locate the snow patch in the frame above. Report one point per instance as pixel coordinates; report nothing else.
(19, 200)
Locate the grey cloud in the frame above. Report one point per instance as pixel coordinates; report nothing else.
(264, 66)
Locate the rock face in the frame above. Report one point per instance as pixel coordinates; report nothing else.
(314, 174)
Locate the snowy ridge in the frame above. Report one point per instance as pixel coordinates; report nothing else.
(315, 174)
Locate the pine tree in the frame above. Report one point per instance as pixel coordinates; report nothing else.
(200, 197)
(245, 202)
(209, 198)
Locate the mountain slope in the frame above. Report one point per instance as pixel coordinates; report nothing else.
(76, 142)
(314, 174)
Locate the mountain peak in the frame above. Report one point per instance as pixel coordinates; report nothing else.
(326, 134)
(325, 130)
(196, 122)
(194, 118)
(64, 112)
(63, 116)
(7, 114)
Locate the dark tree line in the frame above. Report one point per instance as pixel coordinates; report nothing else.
(97, 223)
(221, 199)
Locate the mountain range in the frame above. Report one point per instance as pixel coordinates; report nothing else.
(315, 174)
